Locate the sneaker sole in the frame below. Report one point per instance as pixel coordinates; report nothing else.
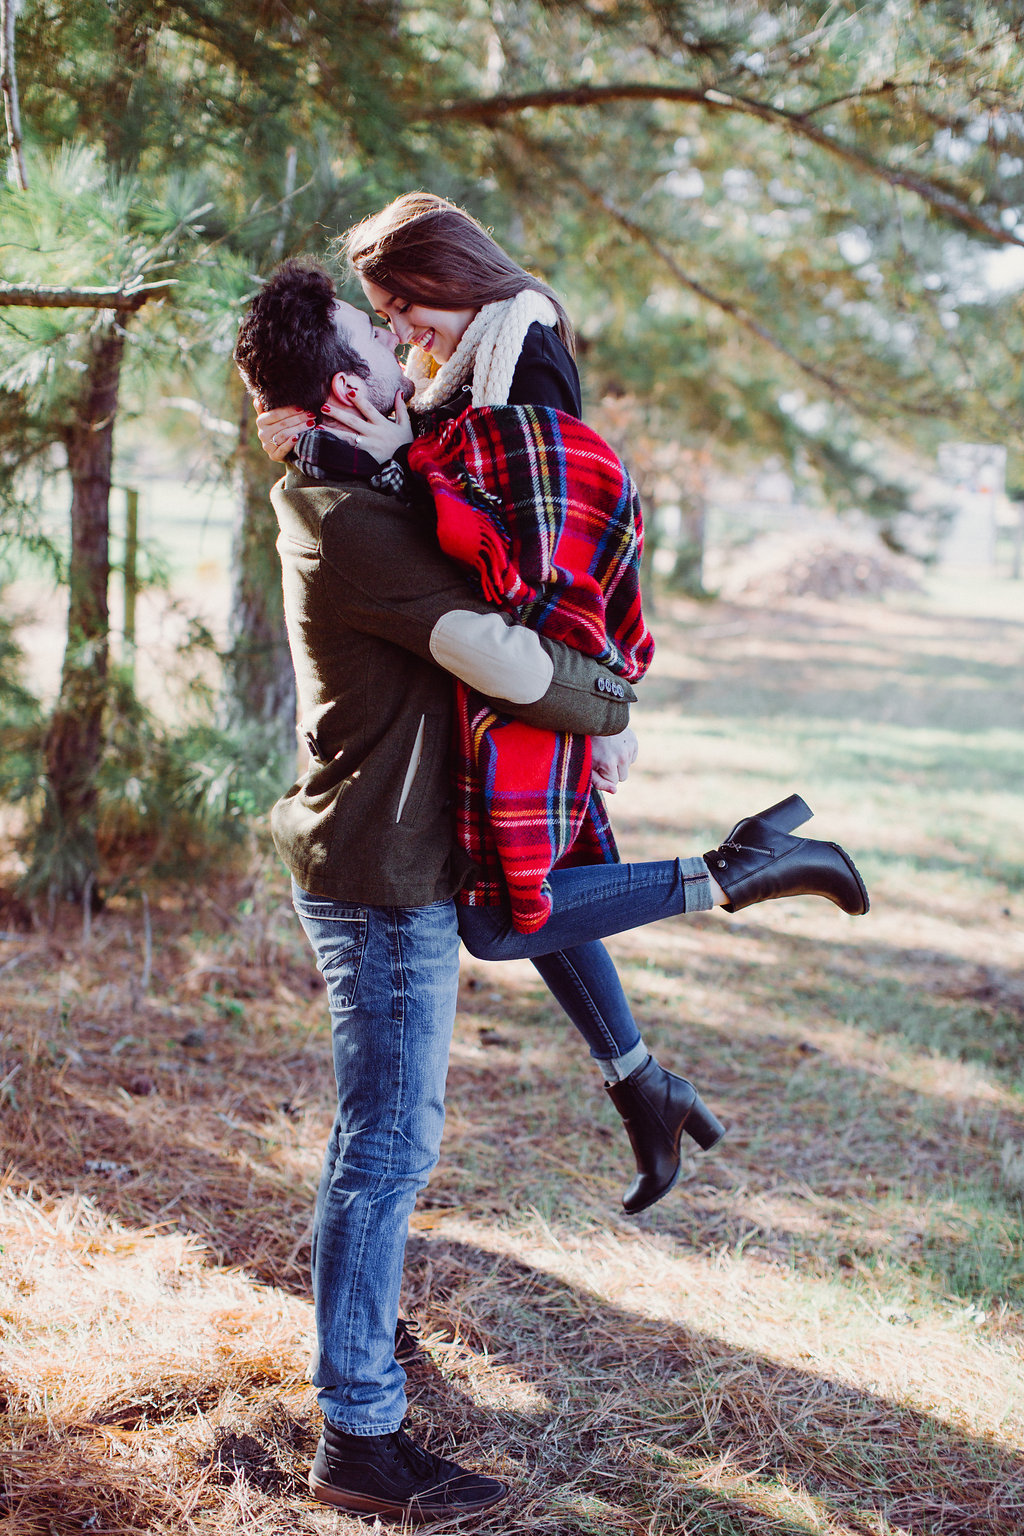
(413, 1511)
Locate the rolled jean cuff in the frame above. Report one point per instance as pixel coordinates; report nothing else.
(696, 885)
(364, 1429)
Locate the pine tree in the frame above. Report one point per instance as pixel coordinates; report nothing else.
(150, 85)
(773, 224)
(61, 355)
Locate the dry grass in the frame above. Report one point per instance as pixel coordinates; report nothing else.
(818, 1332)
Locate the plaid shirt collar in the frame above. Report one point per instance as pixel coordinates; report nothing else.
(346, 460)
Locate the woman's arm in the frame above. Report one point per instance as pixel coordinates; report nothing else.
(358, 421)
(279, 428)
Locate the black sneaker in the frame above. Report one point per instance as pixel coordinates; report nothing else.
(391, 1475)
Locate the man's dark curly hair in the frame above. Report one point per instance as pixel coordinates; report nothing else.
(288, 349)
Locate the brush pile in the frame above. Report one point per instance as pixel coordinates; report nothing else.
(830, 565)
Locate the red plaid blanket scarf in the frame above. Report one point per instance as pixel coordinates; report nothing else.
(541, 511)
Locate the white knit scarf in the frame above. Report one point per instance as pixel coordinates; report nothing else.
(489, 349)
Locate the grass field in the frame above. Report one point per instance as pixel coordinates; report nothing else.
(818, 1331)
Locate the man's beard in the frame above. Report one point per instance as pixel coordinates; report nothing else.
(385, 402)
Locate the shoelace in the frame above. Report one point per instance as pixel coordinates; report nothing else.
(422, 1462)
(407, 1337)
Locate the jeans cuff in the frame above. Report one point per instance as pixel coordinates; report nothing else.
(615, 1068)
(367, 1430)
(696, 885)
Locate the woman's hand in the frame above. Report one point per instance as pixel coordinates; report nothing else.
(279, 428)
(361, 423)
(611, 759)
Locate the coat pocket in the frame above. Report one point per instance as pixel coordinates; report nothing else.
(421, 773)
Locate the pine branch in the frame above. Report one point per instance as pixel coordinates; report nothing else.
(38, 296)
(869, 93)
(835, 387)
(729, 307)
(491, 109)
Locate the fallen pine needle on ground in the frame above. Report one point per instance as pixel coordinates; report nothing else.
(818, 1331)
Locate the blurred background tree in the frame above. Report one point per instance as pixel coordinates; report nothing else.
(783, 232)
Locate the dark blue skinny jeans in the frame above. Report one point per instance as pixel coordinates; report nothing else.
(589, 904)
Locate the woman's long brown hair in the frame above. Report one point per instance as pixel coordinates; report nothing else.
(427, 250)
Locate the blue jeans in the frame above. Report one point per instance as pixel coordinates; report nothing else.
(392, 983)
(588, 904)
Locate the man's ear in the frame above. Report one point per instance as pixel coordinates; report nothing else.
(341, 388)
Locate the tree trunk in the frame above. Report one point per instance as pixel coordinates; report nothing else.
(687, 575)
(75, 738)
(134, 25)
(259, 679)
(9, 87)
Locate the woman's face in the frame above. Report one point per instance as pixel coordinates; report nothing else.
(437, 331)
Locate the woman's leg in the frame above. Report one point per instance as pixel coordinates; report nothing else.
(758, 861)
(586, 984)
(587, 903)
(656, 1106)
(591, 902)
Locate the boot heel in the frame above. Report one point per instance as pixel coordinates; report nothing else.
(704, 1127)
(787, 815)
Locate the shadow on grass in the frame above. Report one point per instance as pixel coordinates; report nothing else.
(61, 1480)
(800, 705)
(817, 665)
(635, 1425)
(225, 1143)
(662, 1424)
(54, 1485)
(926, 1000)
(600, 1419)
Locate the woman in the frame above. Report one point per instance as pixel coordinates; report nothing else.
(484, 332)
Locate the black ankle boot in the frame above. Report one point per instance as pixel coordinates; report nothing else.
(657, 1107)
(759, 861)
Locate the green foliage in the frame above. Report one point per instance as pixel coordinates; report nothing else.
(20, 721)
(172, 800)
(78, 225)
(774, 226)
(821, 221)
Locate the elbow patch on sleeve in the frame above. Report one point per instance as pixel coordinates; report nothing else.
(502, 660)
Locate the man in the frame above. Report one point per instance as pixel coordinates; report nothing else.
(379, 622)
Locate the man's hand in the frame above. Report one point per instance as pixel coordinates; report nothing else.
(279, 428)
(612, 756)
(361, 422)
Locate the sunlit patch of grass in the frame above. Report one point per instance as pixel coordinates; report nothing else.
(971, 1245)
(918, 1017)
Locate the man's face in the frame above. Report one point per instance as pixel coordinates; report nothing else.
(376, 347)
